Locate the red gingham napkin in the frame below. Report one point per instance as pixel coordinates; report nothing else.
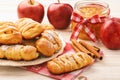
(82, 23)
(42, 68)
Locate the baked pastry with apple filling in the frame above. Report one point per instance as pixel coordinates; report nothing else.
(32, 41)
(9, 33)
(49, 43)
(69, 62)
(29, 28)
(18, 52)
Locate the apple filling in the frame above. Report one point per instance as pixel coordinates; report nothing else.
(89, 10)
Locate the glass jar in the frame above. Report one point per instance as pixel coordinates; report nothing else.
(87, 9)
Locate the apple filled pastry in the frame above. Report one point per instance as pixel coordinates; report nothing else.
(27, 40)
(9, 34)
(18, 52)
(29, 28)
(49, 43)
(69, 62)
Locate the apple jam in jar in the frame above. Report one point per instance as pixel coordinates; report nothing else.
(87, 9)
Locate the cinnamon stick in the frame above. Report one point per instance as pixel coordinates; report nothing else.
(91, 49)
(96, 48)
(78, 47)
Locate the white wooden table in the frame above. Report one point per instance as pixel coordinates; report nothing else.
(107, 69)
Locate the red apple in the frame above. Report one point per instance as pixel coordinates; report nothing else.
(31, 9)
(59, 15)
(110, 33)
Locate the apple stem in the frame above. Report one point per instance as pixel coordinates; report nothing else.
(58, 1)
(31, 2)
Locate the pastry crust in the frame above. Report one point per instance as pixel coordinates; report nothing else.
(9, 33)
(18, 52)
(48, 27)
(51, 42)
(29, 28)
(45, 47)
(53, 37)
(69, 62)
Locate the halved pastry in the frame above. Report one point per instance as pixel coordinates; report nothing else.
(49, 43)
(18, 52)
(29, 28)
(9, 33)
(69, 62)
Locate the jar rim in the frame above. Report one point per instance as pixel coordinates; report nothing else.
(79, 4)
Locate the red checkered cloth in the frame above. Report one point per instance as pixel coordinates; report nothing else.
(82, 23)
(42, 68)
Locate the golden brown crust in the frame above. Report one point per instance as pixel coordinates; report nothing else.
(6, 23)
(9, 34)
(53, 37)
(51, 42)
(18, 52)
(45, 47)
(48, 27)
(69, 62)
(56, 69)
(29, 28)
